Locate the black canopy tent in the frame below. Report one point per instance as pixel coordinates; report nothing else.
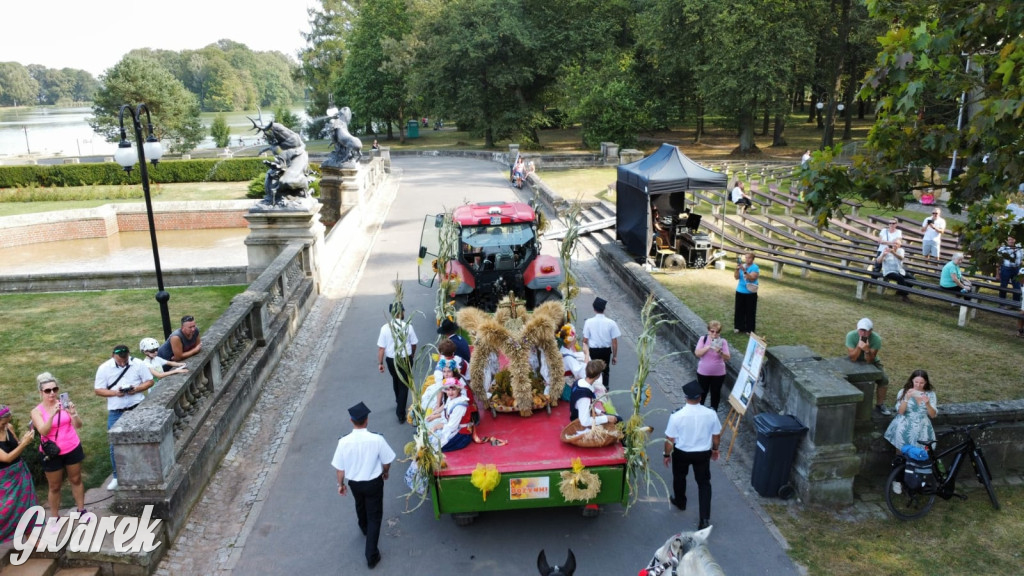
(658, 177)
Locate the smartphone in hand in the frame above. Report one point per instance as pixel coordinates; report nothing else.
(65, 400)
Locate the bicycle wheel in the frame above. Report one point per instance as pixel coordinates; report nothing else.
(906, 504)
(985, 477)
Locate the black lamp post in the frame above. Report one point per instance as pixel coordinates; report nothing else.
(126, 158)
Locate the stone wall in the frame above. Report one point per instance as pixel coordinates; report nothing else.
(121, 280)
(110, 219)
(828, 397)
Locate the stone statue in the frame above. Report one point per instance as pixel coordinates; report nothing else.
(347, 148)
(288, 175)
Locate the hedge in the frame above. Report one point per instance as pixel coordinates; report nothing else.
(109, 173)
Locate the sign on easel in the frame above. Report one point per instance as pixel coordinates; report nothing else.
(745, 387)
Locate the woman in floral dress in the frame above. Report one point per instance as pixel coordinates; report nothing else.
(915, 408)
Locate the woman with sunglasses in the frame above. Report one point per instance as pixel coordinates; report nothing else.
(713, 352)
(886, 237)
(17, 493)
(59, 424)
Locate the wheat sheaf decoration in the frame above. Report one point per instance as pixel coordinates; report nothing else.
(579, 484)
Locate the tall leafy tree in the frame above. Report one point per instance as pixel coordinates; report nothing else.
(322, 61)
(474, 66)
(935, 53)
(135, 80)
(373, 85)
(17, 86)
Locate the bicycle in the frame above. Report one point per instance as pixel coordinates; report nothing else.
(910, 497)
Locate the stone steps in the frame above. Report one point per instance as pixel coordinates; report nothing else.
(47, 567)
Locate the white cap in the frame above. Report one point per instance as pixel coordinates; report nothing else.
(865, 324)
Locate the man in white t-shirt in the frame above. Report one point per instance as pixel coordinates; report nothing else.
(387, 349)
(932, 227)
(122, 381)
(601, 339)
(691, 439)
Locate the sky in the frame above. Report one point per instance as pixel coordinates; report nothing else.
(93, 35)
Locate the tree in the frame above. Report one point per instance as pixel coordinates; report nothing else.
(933, 54)
(373, 84)
(220, 132)
(321, 63)
(474, 66)
(136, 80)
(17, 86)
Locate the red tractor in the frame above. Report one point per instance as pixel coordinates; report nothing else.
(498, 252)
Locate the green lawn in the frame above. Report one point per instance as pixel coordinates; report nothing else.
(70, 334)
(100, 195)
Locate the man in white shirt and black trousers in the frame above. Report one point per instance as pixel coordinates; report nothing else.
(364, 459)
(691, 439)
(601, 339)
(387, 349)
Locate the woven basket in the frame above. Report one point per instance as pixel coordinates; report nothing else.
(594, 437)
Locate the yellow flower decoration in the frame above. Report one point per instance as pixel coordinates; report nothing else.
(485, 478)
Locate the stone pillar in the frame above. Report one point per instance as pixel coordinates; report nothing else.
(610, 152)
(385, 157)
(863, 377)
(630, 155)
(271, 229)
(513, 151)
(799, 383)
(330, 194)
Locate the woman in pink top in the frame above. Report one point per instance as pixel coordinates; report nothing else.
(59, 424)
(713, 352)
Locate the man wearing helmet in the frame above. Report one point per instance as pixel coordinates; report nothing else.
(159, 367)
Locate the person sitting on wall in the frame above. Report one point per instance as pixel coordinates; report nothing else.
(183, 343)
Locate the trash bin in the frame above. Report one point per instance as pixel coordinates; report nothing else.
(412, 129)
(777, 439)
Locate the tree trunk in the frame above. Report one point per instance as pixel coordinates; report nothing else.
(764, 122)
(747, 131)
(778, 136)
(489, 137)
(700, 123)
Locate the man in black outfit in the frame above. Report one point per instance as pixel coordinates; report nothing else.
(364, 458)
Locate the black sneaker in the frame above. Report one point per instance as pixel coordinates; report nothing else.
(883, 410)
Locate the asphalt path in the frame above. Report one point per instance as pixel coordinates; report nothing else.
(305, 527)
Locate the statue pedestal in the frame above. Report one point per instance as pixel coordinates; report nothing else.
(272, 229)
(339, 191)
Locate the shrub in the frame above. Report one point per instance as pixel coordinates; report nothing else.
(219, 131)
(169, 172)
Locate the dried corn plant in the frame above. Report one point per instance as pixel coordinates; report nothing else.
(637, 434)
(448, 246)
(570, 289)
(427, 459)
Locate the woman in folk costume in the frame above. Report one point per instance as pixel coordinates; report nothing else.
(575, 360)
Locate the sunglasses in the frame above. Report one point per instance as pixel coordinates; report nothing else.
(53, 390)
(185, 319)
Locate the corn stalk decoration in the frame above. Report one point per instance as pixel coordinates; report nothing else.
(448, 244)
(427, 459)
(570, 289)
(637, 433)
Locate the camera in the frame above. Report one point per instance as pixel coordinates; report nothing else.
(65, 400)
(128, 390)
(863, 338)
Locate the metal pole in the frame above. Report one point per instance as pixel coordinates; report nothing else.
(25, 128)
(161, 296)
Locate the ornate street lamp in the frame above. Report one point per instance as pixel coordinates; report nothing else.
(126, 158)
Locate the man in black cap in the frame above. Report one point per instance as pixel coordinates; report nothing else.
(691, 439)
(364, 459)
(387, 349)
(601, 339)
(451, 331)
(121, 380)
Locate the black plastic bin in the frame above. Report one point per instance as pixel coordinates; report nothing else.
(778, 436)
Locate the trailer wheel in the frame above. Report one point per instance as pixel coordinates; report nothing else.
(591, 511)
(464, 518)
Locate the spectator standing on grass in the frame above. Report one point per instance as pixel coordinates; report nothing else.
(862, 345)
(183, 343)
(891, 262)
(1009, 266)
(915, 408)
(122, 381)
(740, 197)
(931, 242)
(601, 339)
(745, 309)
(158, 367)
(59, 423)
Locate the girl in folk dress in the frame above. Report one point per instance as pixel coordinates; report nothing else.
(915, 408)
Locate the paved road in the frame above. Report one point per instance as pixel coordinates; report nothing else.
(304, 527)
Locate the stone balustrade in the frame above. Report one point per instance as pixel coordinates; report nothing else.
(168, 447)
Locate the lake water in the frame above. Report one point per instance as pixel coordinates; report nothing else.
(130, 251)
(52, 131)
